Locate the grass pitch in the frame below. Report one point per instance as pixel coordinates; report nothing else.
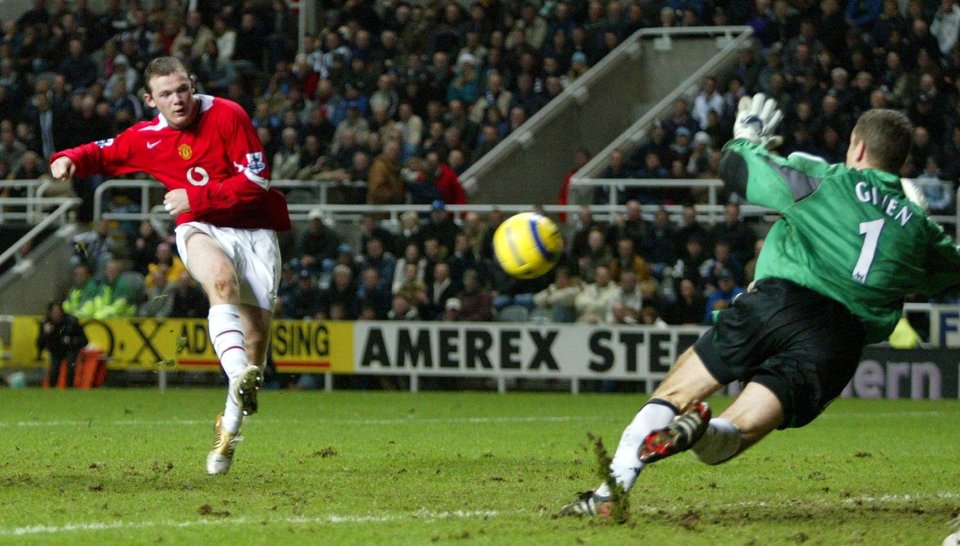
(127, 467)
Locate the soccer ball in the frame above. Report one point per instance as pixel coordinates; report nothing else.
(527, 245)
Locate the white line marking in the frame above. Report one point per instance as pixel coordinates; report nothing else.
(329, 519)
(411, 421)
(334, 519)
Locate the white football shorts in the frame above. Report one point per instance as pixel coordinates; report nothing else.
(255, 254)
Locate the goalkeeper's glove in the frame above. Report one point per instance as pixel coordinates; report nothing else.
(757, 119)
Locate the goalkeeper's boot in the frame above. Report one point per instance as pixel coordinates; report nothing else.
(679, 436)
(224, 444)
(588, 504)
(244, 389)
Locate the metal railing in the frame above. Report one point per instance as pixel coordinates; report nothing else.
(57, 216)
(710, 212)
(728, 40)
(31, 206)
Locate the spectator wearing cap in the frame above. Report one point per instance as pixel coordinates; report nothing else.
(722, 297)
(122, 68)
(440, 226)
(453, 311)
(699, 160)
(578, 66)
(681, 149)
(319, 241)
(345, 256)
(465, 85)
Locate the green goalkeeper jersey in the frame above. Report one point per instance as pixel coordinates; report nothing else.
(851, 235)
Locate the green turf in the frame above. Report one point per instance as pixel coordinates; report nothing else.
(126, 467)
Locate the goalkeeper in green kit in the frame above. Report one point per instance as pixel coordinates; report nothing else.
(853, 240)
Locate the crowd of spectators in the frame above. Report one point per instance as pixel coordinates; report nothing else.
(824, 64)
(624, 271)
(405, 96)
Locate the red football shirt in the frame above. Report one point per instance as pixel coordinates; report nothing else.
(218, 159)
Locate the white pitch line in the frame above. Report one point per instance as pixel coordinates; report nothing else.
(403, 421)
(334, 519)
(328, 519)
(411, 421)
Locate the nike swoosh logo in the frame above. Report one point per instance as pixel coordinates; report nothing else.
(152, 145)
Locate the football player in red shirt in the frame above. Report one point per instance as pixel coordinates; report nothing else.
(206, 153)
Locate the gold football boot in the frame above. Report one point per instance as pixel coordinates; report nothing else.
(224, 443)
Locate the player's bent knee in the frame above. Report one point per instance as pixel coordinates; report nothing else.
(225, 287)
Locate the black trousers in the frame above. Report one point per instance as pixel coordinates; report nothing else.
(55, 361)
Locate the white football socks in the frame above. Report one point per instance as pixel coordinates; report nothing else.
(626, 466)
(226, 334)
(720, 442)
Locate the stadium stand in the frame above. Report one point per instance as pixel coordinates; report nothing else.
(426, 89)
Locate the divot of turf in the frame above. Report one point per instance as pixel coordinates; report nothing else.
(620, 503)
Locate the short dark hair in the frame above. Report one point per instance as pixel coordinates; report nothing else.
(888, 137)
(163, 66)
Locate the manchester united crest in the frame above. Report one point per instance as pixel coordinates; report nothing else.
(185, 151)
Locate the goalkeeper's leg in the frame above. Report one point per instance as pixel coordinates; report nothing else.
(688, 381)
(754, 414)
